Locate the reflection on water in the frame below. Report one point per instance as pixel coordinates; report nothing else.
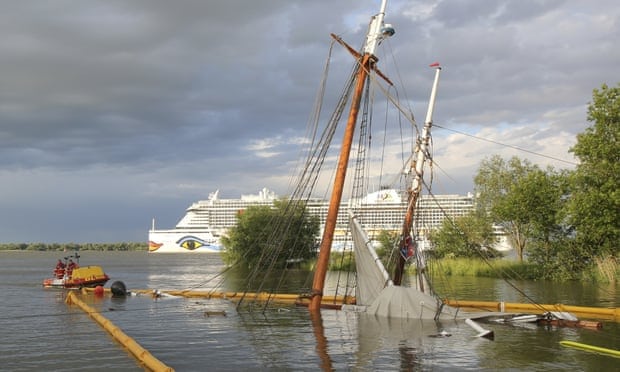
(489, 289)
(178, 331)
(418, 342)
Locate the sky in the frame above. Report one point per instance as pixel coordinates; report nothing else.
(113, 112)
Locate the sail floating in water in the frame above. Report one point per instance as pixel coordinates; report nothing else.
(378, 295)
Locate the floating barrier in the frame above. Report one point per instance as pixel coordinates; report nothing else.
(591, 348)
(603, 313)
(327, 301)
(140, 353)
(337, 301)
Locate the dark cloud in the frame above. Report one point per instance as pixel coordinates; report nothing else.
(114, 112)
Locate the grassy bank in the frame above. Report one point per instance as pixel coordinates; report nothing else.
(602, 271)
(492, 269)
(454, 267)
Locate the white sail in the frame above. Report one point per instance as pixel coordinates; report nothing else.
(371, 275)
(376, 293)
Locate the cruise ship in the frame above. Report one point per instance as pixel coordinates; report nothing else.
(206, 220)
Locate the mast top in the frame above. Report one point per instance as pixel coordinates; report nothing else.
(378, 31)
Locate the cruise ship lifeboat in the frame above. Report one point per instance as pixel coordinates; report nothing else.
(69, 274)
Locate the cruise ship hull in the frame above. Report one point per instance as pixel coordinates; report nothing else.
(183, 241)
(206, 220)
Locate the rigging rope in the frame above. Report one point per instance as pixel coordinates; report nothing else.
(485, 258)
(507, 145)
(317, 150)
(303, 188)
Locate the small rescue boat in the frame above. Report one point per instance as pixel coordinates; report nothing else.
(69, 274)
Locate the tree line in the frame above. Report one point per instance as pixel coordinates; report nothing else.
(69, 247)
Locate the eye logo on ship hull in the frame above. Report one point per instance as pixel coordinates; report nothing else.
(153, 246)
(191, 243)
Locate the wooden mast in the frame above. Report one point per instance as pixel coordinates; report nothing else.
(417, 166)
(374, 36)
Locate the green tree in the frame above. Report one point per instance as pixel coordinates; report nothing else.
(550, 240)
(466, 236)
(498, 185)
(527, 202)
(594, 205)
(388, 241)
(267, 236)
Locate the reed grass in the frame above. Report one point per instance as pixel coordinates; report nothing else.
(606, 269)
(339, 261)
(492, 269)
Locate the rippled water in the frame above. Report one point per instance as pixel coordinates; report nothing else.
(41, 332)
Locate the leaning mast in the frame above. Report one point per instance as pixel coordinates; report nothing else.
(376, 32)
(421, 153)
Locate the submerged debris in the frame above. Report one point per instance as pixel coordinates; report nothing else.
(441, 334)
(210, 313)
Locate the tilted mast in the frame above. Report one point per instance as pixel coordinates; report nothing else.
(376, 33)
(421, 152)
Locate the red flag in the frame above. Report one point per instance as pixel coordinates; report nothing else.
(436, 64)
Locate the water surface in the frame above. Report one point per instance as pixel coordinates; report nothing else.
(46, 334)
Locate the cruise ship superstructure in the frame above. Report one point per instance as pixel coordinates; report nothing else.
(206, 220)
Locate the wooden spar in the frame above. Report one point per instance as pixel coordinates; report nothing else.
(334, 203)
(375, 34)
(421, 151)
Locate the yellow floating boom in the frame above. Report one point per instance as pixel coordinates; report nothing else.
(591, 348)
(327, 301)
(140, 353)
(603, 313)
